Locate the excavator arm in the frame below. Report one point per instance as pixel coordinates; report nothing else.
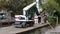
(31, 5)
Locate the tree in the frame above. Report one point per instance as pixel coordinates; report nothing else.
(53, 8)
(3, 4)
(15, 5)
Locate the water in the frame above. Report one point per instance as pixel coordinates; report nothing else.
(37, 31)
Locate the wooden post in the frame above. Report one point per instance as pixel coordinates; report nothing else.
(57, 21)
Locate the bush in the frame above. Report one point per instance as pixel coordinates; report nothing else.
(52, 20)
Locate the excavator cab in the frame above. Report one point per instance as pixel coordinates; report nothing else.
(22, 21)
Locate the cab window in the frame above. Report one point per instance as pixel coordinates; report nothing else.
(21, 18)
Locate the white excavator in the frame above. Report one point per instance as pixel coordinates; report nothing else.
(23, 20)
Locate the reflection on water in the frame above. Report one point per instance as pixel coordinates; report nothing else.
(37, 31)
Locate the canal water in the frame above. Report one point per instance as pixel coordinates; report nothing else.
(37, 31)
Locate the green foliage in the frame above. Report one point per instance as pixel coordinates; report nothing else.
(32, 11)
(51, 6)
(57, 14)
(58, 1)
(48, 8)
(3, 4)
(54, 4)
(15, 5)
(52, 20)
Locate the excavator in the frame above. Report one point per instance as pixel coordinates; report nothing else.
(23, 20)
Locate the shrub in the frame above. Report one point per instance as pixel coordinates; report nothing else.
(52, 20)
